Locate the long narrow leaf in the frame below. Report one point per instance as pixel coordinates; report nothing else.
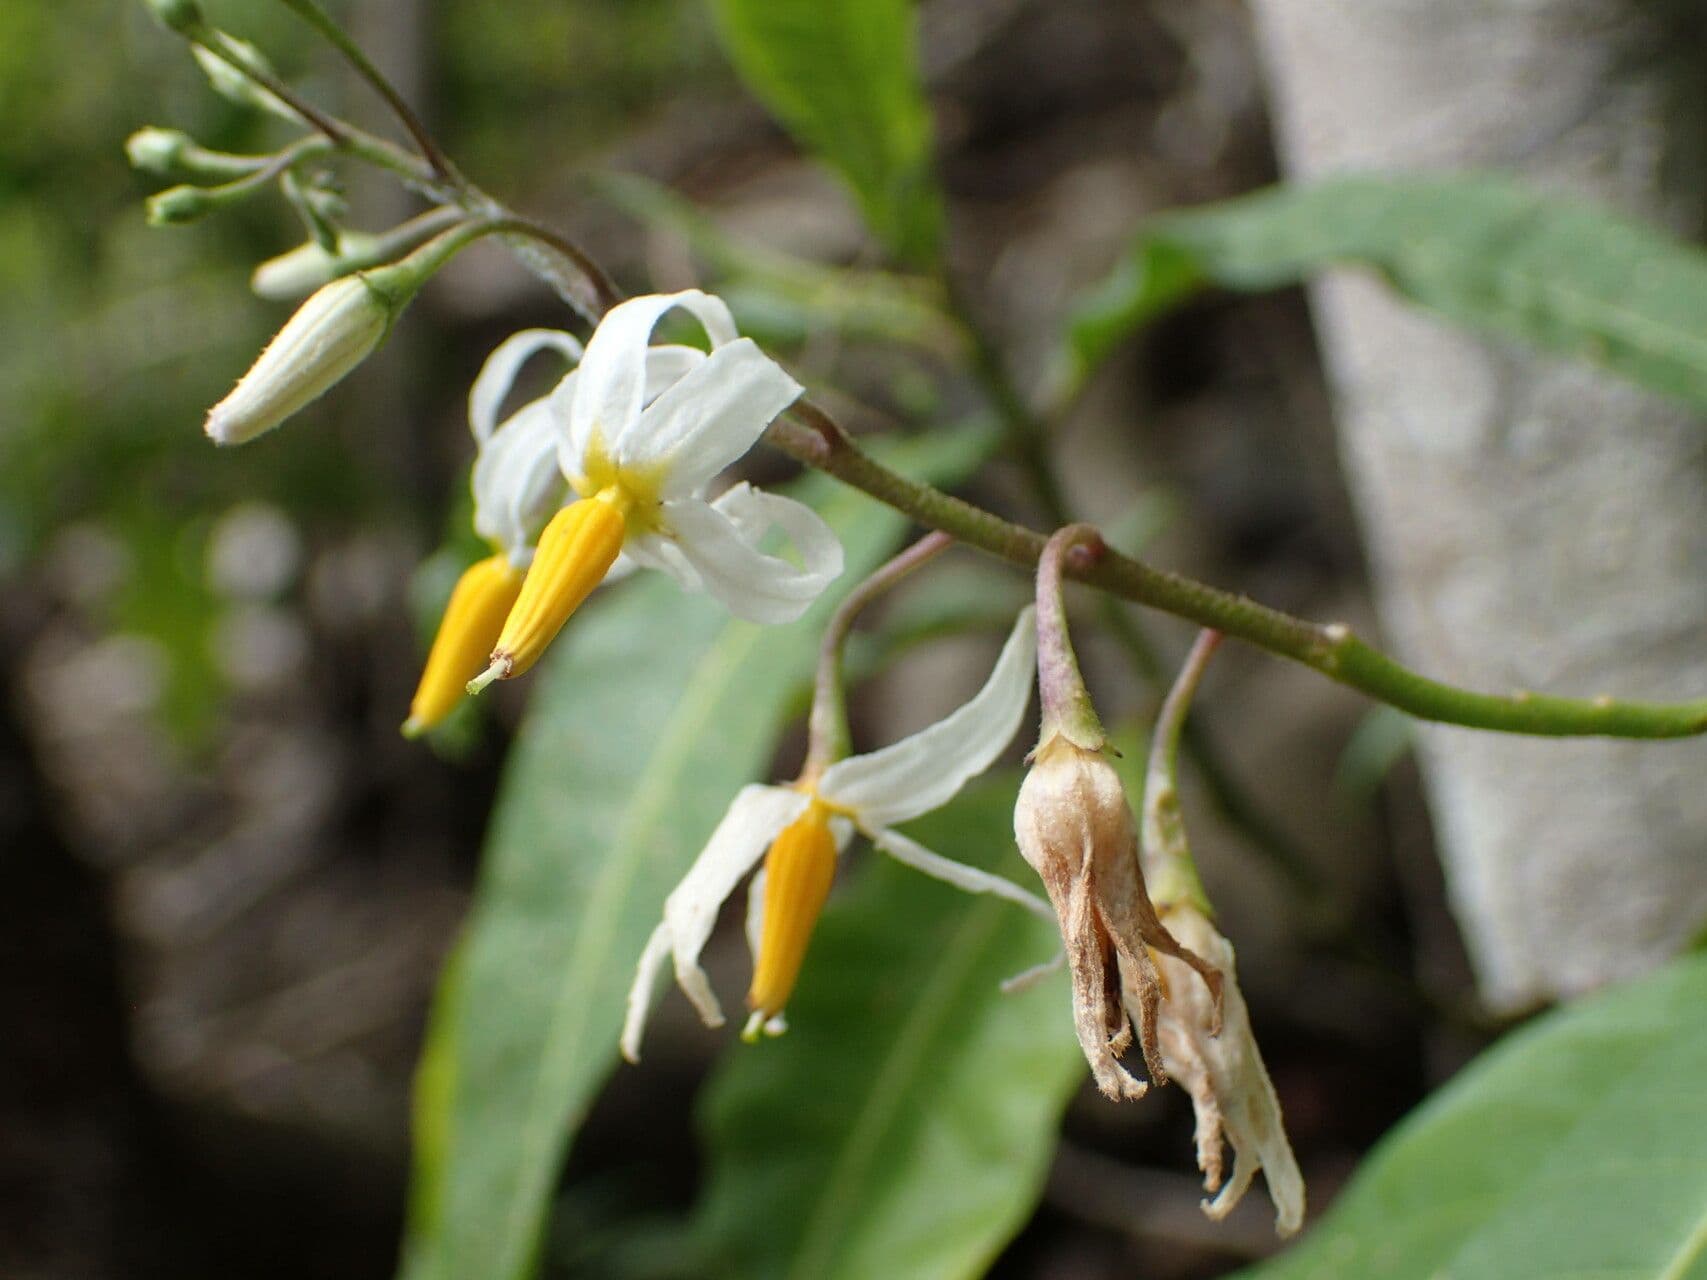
(1578, 1147)
(1480, 250)
(843, 77)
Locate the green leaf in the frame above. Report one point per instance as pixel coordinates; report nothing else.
(777, 297)
(904, 1125)
(1480, 250)
(655, 708)
(843, 78)
(1575, 1148)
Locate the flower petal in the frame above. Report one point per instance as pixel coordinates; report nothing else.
(924, 771)
(970, 879)
(516, 482)
(665, 366)
(498, 374)
(708, 418)
(690, 912)
(612, 390)
(720, 542)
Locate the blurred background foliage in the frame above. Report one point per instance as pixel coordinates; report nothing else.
(237, 885)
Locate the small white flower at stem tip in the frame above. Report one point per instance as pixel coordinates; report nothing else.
(804, 828)
(641, 433)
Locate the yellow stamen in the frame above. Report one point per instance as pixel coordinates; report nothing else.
(798, 871)
(575, 552)
(467, 632)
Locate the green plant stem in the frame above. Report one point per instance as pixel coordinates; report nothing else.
(321, 21)
(827, 725)
(811, 437)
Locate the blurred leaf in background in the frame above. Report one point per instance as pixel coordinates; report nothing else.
(844, 80)
(1576, 1147)
(1483, 251)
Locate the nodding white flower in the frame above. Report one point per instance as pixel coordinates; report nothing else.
(806, 825)
(642, 431)
(1213, 1054)
(516, 487)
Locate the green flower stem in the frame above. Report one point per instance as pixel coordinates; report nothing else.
(321, 21)
(1169, 869)
(810, 436)
(827, 726)
(1067, 706)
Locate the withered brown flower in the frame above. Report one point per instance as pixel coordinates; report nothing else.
(1075, 828)
(1210, 1049)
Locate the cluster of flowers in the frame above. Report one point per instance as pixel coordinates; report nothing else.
(609, 473)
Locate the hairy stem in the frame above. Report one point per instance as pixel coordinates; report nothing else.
(827, 726)
(810, 436)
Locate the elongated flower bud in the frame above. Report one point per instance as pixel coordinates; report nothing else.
(575, 552)
(183, 16)
(798, 872)
(155, 150)
(330, 334)
(473, 618)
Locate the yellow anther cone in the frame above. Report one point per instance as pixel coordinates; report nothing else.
(798, 871)
(575, 552)
(473, 618)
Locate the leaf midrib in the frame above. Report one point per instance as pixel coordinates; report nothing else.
(826, 1223)
(593, 943)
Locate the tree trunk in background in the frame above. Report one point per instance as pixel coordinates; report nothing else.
(1531, 523)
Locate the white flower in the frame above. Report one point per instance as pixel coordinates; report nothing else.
(641, 432)
(516, 483)
(806, 825)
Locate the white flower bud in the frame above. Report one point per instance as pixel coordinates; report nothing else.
(330, 334)
(155, 150)
(230, 83)
(304, 269)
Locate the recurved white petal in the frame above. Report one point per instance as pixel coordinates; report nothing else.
(498, 374)
(612, 388)
(690, 912)
(664, 365)
(913, 854)
(924, 771)
(708, 418)
(516, 481)
(720, 542)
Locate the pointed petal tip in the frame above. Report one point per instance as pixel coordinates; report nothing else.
(413, 728)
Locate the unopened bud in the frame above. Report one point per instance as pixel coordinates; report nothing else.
(233, 85)
(176, 206)
(183, 16)
(330, 334)
(304, 269)
(156, 150)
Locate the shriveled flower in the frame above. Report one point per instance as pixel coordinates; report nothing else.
(516, 487)
(806, 825)
(1076, 829)
(642, 432)
(1211, 1051)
